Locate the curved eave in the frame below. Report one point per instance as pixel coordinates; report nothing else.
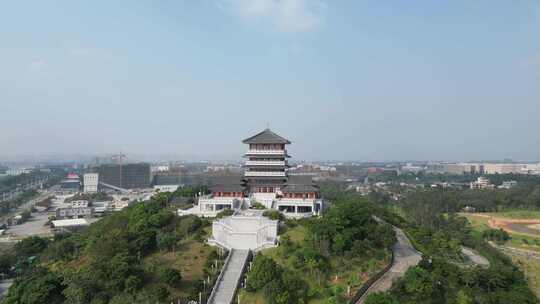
(247, 178)
(266, 155)
(266, 166)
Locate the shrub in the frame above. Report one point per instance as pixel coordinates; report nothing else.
(160, 292)
(496, 235)
(380, 298)
(274, 215)
(225, 213)
(170, 276)
(165, 240)
(258, 206)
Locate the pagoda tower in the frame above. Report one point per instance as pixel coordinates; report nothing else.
(266, 165)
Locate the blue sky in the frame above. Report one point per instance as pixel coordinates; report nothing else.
(363, 80)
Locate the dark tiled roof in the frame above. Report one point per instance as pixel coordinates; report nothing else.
(230, 183)
(266, 137)
(267, 178)
(300, 184)
(227, 188)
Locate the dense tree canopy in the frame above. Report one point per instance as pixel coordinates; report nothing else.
(105, 262)
(439, 233)
(347, 235)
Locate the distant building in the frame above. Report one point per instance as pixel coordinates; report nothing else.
(531, 169)
(508, 184)
(79, 204)
(18, 171)
(315, 170)
(72, 183)
(469, 209)
(159, 168)
(482, 183)
(101, 207)
(74, 213)
(90, 182)
(166, 188)
(484, 168)
(127, 176)
(502, 168)
(60, 226)
(362, 188)
(410, 168)
(373, 170)
(459, 168)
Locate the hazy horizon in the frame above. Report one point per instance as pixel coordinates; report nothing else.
(365, 81)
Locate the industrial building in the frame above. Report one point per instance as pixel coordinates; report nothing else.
(74, 213)
(126, 176)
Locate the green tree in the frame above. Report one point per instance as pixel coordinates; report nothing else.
(170, 276)
(380, 298)
(417, 282)
(463, 298)
(30, 246)
(40, 286)
(263, 271)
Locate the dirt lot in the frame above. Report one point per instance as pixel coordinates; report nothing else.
(34, 226)
(527, 227)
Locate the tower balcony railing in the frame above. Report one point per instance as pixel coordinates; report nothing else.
(264, 173)
(265, 163)
(266, 152)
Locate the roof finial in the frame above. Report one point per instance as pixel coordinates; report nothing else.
(267, 126)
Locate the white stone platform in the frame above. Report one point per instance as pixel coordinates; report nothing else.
(245, 230)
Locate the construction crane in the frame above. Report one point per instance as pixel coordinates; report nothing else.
(119, 160)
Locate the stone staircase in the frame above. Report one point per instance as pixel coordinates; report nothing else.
(229, 280)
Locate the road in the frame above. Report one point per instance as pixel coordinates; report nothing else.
(405, 256)
(34, 226)
(30, 203)
(231, 275)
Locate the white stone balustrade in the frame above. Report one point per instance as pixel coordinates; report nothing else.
(266, 152)
(265, 163)
(264, 173)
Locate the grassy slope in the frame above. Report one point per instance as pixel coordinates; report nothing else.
(517, 214)
(355, 275)
(530, 266)
(189, 259)
(517, 240)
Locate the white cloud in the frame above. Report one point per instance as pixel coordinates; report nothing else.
(285, 15)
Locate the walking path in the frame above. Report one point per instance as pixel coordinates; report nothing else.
(4, 286)
(226, 287)
(517, 251)
(474, 257)
(405, 256)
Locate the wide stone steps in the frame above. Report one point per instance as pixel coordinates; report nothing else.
(231, 275)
